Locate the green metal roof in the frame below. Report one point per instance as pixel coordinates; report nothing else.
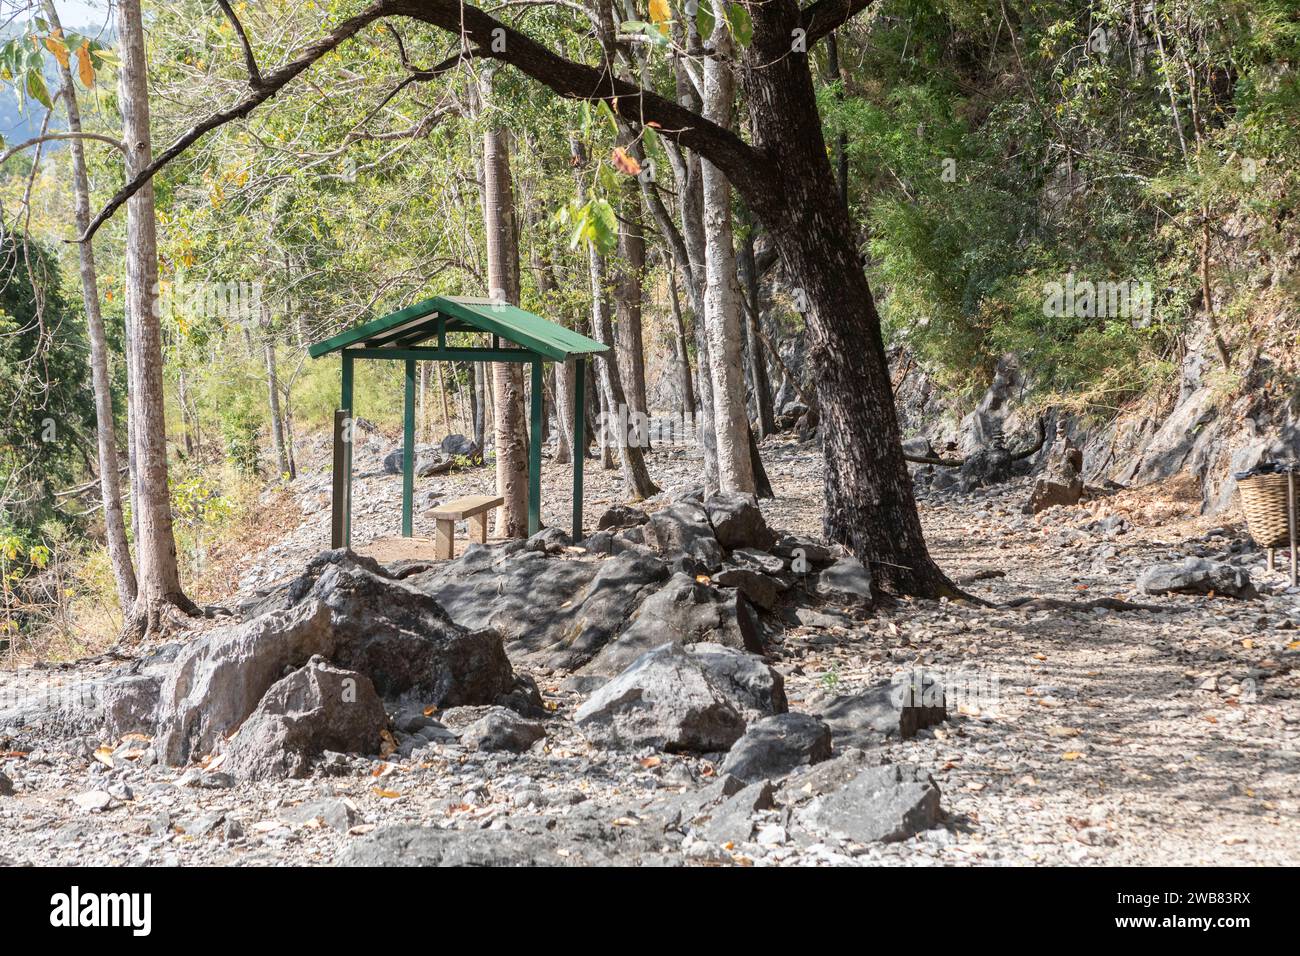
(425, 320)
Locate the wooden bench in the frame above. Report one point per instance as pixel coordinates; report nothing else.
(474, 508)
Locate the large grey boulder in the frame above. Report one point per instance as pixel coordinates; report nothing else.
(879, 805)
(621, 516)
(673, 530)
(493, 728)
(778, 745)
(684, 611)
(737, 521)
(675, 698)
(1197, 576)
(316, 708)
(889, 710)
(459, 445)
(346, 613)
(762, 590)
(587, 603)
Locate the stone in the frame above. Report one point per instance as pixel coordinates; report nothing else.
(494, 728)
(459, 446)
(1197, 576)
(316, 708)
(693, 699)
(890, 710)
(93, 800)
(776, 746)
(425, 846)
(751, 559)
(1050, 494)
(847, 582)
(549, 541)
(621, 516)
(1062, 481)
(674, 529)
(6, 785)
(882, 804)
(796, 547)
(760, 589)
(737, 521)
(732, 821)
(684, 611)
(334, 812)
(130, 704)
(346, 610)
(587, 602)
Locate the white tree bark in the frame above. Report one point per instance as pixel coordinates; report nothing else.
(722, 291)
(110, 485)
(159, 580)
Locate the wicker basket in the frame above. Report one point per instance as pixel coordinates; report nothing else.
(1264, 501)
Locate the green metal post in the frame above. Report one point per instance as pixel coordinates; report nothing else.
(408, 449)
(349, 436)
(579, 441)
(535, 453)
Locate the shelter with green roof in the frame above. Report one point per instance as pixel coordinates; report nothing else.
(419, 333)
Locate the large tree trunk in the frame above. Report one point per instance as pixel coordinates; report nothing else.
(159, 581)
(110, 487)
(544, 274)
(870, 507)
(721, 291)
(273, 400)
(685, 389)
(508, 377)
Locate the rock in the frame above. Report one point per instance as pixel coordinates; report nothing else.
(752, 559)
(880, 804)
(798, 548)
(987, 466)
(314, 709)
(6, 785)
(681, 699)
(777, 745)
(333, 812)
(684, 611)
(496, 728)
(93, 800)
(1197, 576)
(549, 541)
(674, 529)
(459, 446)
(847, 582)
(733, 820)
(737, 521)
(919, 447)
(621, 516)
(347, 611)
(587, 602)
(1050, 494)
(757, 587)
(130, 704)
(426, 846)
(428, 461)
(895, 709)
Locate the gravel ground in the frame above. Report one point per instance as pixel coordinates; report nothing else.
(1149, 737)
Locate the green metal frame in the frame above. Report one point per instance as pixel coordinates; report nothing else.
(396, 337)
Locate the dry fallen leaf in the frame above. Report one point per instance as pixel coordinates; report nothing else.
(648, 762)
(386, 794)
(387, 743)
(1071, 755)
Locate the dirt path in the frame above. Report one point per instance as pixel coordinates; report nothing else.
(1142, 737)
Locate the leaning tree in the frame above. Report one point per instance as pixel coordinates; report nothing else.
(785, 178)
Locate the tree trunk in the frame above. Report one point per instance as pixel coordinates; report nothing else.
(870, 506)
(627, 298)
(721, 291)
(764, 413)
(508, 377)
(636, 477)
(273, 393)
(110, 488)
(685, 388)
(159, 581)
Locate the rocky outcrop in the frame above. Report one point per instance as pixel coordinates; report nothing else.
(1197, 576)
(778, 745)
(345, 612)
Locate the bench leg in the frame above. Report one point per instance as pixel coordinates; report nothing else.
(478, 528)
(444, 539)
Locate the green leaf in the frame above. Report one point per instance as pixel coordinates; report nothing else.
(742, 26)
(704, 19)
(604, 226)
(36, 89)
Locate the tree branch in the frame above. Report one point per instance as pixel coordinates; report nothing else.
(493, 39)
(35, 141)
(822, 17)
(254, 74)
